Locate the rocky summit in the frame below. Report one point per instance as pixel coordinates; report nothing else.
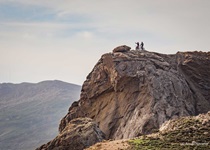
(131, 92)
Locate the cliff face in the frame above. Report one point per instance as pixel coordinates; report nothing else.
(195, 66)
(129, 93)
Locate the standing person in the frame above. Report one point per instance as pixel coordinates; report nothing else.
(137, 45)
(142, 46)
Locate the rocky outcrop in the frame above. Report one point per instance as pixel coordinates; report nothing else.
(80, 133)
(130, 93)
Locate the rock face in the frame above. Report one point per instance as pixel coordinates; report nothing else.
(77, 135)
(196, 69)
(130, 93)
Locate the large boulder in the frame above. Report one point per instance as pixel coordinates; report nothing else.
(122, 48)
(80, 133)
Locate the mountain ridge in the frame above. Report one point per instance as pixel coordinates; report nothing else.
(30, 112)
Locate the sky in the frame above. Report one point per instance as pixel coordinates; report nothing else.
(63, 39)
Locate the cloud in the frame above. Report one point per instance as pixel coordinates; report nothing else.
(85, 35)
(64, 39)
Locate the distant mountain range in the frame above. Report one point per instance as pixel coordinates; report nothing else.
(30, 113)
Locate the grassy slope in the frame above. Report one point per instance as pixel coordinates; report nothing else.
(185, 133)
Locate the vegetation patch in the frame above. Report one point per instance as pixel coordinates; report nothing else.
(159, 144)
(186, 133)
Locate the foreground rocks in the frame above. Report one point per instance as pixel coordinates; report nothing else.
(77, 135)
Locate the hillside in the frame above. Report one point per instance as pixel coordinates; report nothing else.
(131, 93)
(183, 133)
(30, 113)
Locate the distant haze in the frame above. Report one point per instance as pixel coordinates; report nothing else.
(30, 113)
(63, 40)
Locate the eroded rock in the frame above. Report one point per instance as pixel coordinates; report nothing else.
(131, 93)
(80, 133)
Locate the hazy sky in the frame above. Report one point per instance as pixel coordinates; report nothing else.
(63, 39)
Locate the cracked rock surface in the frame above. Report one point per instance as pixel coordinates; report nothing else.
(130, 93)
